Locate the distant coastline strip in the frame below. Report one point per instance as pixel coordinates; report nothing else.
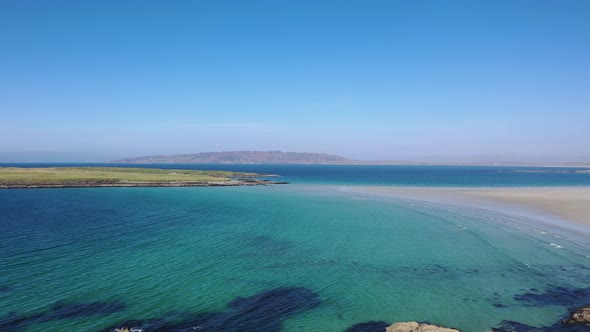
(101, 177)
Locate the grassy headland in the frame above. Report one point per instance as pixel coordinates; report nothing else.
(62, 177)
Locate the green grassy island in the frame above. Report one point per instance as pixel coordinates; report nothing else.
(84, 177)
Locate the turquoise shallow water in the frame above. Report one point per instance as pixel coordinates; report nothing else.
(165, 251)
(170, 253)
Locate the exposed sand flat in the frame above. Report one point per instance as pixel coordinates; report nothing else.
(565, 203)
(569, 203)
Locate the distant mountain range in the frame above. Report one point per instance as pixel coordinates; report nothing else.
(244, 157)
(280, 157)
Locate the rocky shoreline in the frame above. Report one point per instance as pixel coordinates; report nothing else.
(418, 327)
(398, 327)
(577, 320)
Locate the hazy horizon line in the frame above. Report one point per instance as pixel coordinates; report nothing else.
(450, 159)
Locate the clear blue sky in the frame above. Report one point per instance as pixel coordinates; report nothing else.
(98, 80)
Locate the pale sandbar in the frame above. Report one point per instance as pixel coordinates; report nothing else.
(565, 204)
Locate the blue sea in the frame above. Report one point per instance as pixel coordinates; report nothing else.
(305, 256)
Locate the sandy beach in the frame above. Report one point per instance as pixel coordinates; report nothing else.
(553, 204)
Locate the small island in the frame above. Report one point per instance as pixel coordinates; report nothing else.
(94, 177)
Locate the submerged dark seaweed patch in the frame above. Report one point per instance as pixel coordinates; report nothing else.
(556, 296)
(6, 289)
(59, 310)
(146, 325)
(261, 312)
(15, 323)
(512, 326)
(496, 300)
(371, 326)
(560, 296)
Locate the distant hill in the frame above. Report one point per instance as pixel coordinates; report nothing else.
(243, 157)
(279, 157)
